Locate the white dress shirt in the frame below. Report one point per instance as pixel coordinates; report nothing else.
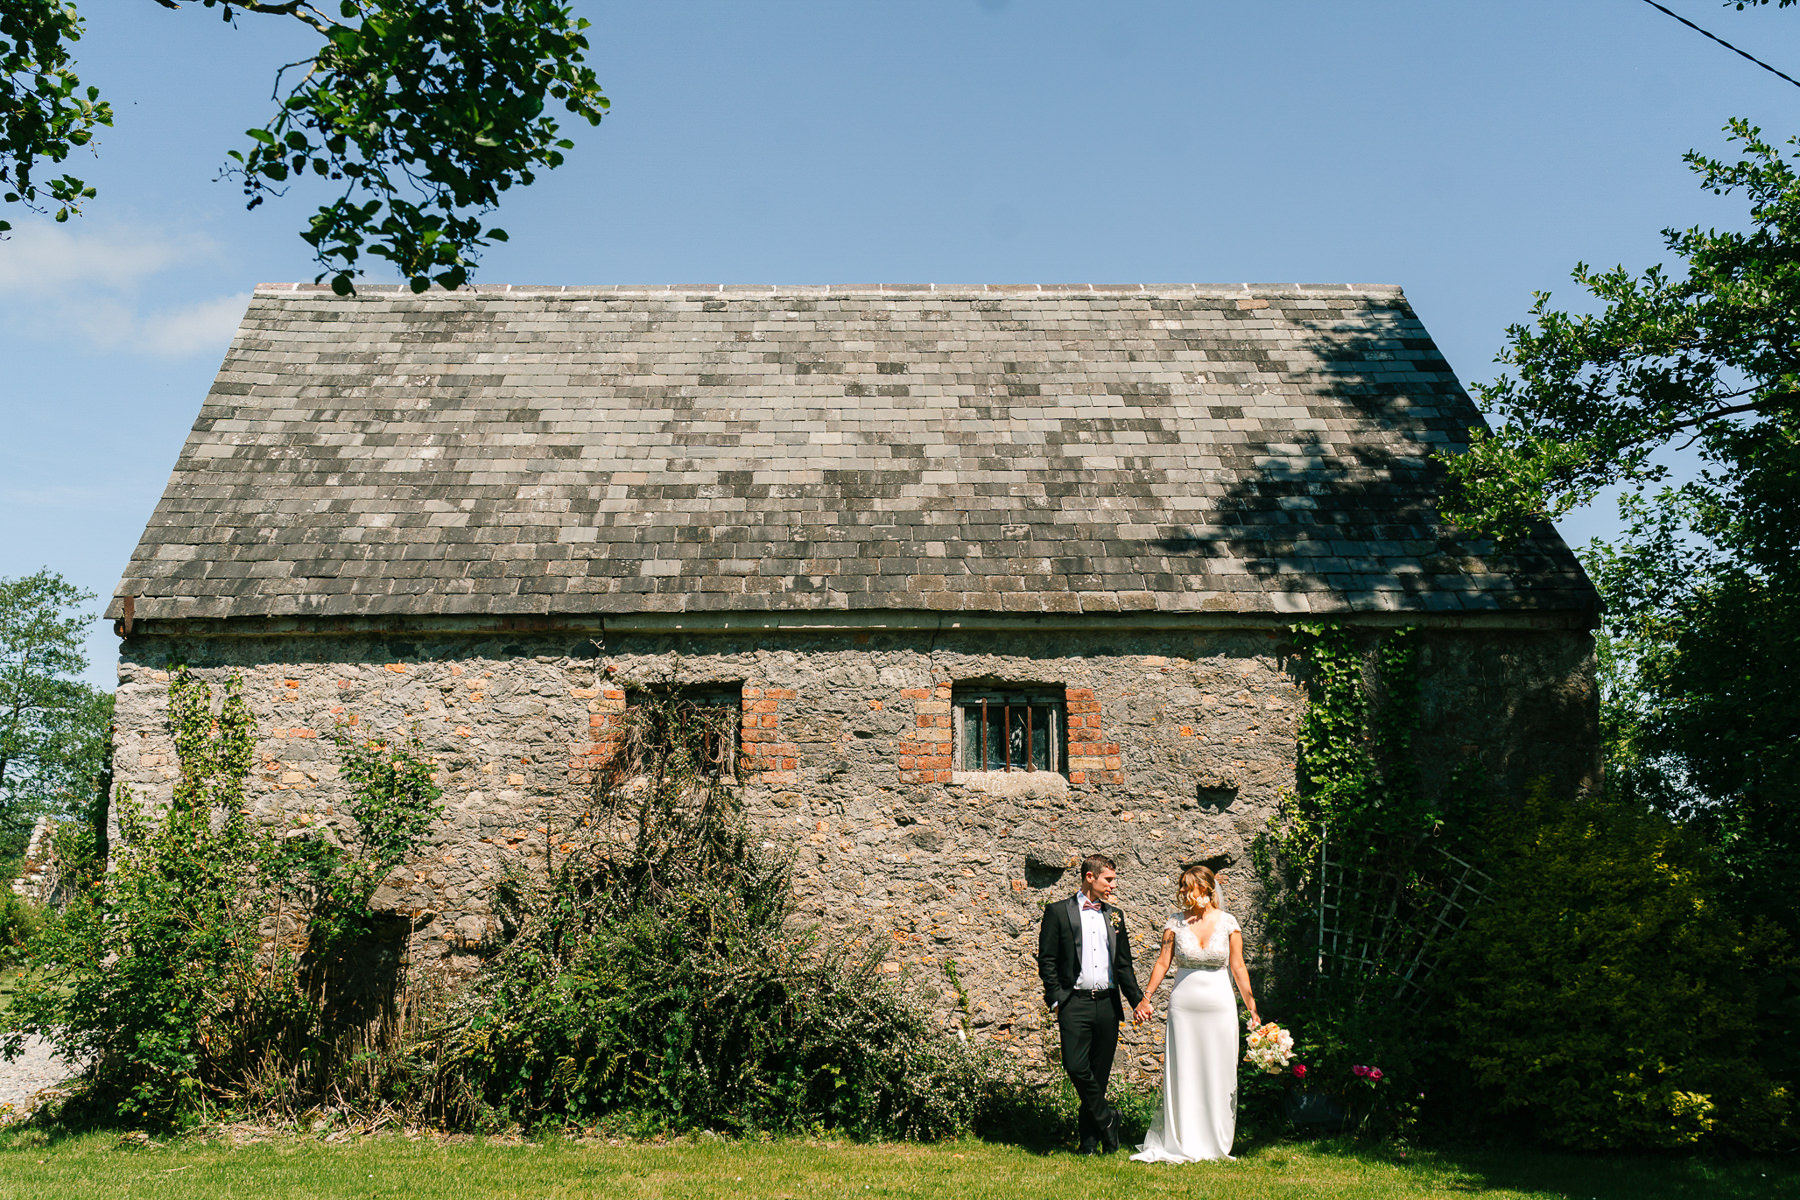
(1096, 958)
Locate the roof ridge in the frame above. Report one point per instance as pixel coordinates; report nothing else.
(1384, 290)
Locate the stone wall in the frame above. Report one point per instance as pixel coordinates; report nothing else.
(1185, 743)
(40, 879)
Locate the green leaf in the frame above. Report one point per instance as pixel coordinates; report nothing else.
(387, 110)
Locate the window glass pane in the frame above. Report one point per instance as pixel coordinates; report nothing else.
(996, 725)
(1022, 733)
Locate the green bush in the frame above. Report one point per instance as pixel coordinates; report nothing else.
(658, 973)
(20, 919)
(1603, 995)
(195, 973)
(1360, 1053)
(654, 976)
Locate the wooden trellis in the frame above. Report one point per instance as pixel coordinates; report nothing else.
(1376, 930)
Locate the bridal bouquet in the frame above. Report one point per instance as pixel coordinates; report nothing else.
(1270, 1048)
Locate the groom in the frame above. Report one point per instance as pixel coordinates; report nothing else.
(1084, 959)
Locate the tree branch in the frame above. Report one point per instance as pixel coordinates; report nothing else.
(300, 10)
(1715, 414)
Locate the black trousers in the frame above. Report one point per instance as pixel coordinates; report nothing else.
(1090, 1035)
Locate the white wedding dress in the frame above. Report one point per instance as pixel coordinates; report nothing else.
(1198, 1113)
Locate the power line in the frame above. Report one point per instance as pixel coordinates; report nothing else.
(1715, 37)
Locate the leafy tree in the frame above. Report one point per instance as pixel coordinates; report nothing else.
(1702, 631)
(1708, 357)
(44, 111)
(420, 113)
(55, 731)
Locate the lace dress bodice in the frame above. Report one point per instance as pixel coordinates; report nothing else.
(1191, 955)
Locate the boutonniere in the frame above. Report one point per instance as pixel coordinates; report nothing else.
(1113, 919)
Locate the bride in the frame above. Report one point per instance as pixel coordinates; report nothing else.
(1198, 1113)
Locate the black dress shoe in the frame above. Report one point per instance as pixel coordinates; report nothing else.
(1109, 1133)
(1088, 1147)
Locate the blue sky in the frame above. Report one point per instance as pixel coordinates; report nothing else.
(1471, 152)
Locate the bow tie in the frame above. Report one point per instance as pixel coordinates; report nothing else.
(1088, 905)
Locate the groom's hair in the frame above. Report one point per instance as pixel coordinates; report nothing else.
(1093, 864)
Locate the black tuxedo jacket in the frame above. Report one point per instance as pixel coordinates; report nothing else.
(1059, 953)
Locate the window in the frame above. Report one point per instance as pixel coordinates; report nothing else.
(692, 723)
(1008, 729)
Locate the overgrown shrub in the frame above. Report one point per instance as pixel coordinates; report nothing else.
(200, 962)
(75, 864)
(651, 974)
(1605, 996)
(658, 973)
(20, 920)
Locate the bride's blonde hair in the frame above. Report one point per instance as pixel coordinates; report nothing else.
(1198, 890)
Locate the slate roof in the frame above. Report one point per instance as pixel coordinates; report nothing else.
(1257, 449)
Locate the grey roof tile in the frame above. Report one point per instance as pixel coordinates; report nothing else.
(1003, 449)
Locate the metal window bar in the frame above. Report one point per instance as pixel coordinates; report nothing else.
(1019, 720)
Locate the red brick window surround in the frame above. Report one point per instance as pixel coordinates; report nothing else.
(1091, 760)
(925, 756)
(762, 751)
(606, 732)
(755, 740)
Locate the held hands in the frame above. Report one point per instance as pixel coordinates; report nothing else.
(1142, 1012)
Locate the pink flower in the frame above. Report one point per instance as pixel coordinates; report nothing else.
(1360, 1072)
(1375, 1074)
(1299, 1070)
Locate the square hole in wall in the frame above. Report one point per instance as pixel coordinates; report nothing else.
(695, 724)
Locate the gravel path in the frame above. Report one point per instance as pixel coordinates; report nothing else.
(24, 1077)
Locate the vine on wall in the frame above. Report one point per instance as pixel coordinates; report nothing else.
(1357, 778)
(1358, 795)
(1359, 851)
(214, 750)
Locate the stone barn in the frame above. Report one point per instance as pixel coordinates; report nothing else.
(997, 576)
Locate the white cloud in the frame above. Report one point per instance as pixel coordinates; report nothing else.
(38, 254)
(106, 285)
(206, 326)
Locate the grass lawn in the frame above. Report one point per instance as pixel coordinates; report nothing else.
(99, 1165)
